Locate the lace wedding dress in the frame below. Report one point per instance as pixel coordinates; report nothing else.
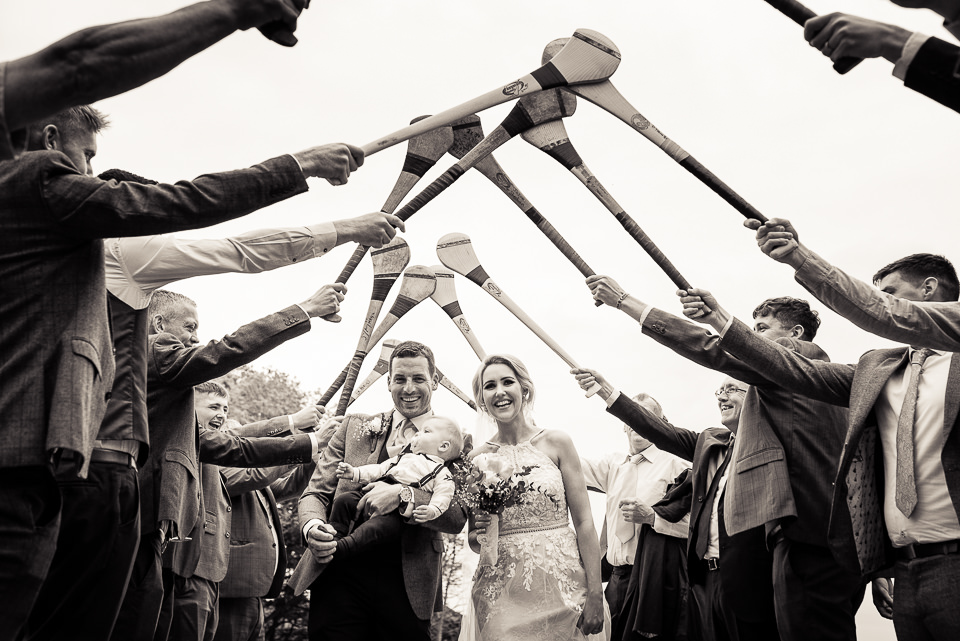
(538, 586)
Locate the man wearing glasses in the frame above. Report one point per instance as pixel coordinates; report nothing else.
(782, 471)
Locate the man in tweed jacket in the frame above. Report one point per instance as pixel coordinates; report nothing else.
(389, 591)
(871, 529)
(781, 474)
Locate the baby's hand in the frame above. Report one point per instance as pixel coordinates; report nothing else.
(425, 513)
(344, 470)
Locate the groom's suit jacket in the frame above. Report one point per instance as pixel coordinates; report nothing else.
(788, 445)
(857, 532)
(421, 545)
(935, 72)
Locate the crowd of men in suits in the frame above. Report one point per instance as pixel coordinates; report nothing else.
(124, 491)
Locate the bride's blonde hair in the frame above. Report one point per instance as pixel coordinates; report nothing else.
(519, 370)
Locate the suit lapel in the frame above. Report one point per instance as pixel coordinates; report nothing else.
(952, 401)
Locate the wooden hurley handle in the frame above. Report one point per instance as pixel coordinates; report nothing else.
(328, 395)
(353, 372)
(650, 247)
(800, 14)
(719, 187)
(432, 191)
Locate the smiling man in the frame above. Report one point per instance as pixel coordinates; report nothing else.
(388, 591)
(731, 596)
(787, 451)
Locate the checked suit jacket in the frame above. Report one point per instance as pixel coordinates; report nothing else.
(787, 447)
(857, 532)
(207, 553)
(57, 368)
(745, 564)
(421, 545)
(258, 563)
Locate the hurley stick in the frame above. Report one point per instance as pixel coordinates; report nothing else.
(551, 138)
(388, 263)
(800, 14)
(446, 382)
(423, 152)
(417, 285)
(456, 252)
(381, 368)
(588, 57)
(541, 107)
(606, 96)
(445, 295)
(467, 133)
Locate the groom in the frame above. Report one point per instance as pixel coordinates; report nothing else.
(388, 591)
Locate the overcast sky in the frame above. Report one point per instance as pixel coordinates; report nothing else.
(858, 162)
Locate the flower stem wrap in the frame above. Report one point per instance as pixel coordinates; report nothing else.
(488, 541)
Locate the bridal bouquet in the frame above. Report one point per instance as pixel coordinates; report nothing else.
(487, 483)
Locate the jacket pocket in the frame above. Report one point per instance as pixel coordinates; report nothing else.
(86, 349)
(756, 459)
(438, 545)
(210, 522)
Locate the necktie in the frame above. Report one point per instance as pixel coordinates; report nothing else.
(400, 436)
(906, 482)
(703, 525)
(624, 530)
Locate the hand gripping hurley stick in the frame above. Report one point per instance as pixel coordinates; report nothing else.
(423, 152)
(445, 295)
(456, 252)
(467, 133)
(606, 96)
(388, 262)
(589, 56)
(800, 14)
(551, 138)
(417, 285)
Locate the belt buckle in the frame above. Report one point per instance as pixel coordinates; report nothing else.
(712, 564)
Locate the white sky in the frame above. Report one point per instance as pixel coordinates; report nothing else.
(860, 164)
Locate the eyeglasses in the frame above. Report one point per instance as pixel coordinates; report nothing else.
(728, 390)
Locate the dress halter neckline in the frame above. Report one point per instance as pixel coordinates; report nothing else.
(527, 440)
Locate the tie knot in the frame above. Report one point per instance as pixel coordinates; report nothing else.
(636, 459)
(920, 355)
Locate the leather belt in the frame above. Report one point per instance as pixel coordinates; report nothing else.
(712, 565)
(99, 455)
(921, 550)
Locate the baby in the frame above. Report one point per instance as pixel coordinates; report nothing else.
(422, 464)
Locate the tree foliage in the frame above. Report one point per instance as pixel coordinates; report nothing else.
(256, 395)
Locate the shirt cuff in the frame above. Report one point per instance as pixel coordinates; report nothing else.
(910, 49)
(299, 166)
(613, 398)
(303, 310)
(314, 443)
(309, 525)
(726, 328)
(643, 316)
(324, 237)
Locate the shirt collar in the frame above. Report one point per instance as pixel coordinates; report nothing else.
(417, 421)
(650, 453)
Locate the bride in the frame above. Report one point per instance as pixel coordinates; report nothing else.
(546, 581)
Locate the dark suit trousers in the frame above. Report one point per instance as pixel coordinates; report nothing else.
(711, 618)
(241, 619)
(29, 523)
(616, 593)
(925, 598)
(195, 609)
(364, 599)
(814, 597)
(99, 533)
(141, 605)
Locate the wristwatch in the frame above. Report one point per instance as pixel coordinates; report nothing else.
(406, 497)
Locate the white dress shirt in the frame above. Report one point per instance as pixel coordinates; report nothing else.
(622, 476)
(934, 519)
(136, 267)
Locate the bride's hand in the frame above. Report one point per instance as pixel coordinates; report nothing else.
(591, 621)
(481, 520)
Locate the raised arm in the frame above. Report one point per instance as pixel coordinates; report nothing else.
(107, 60)
(923, 324)
(676, 440)
(820, 380)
